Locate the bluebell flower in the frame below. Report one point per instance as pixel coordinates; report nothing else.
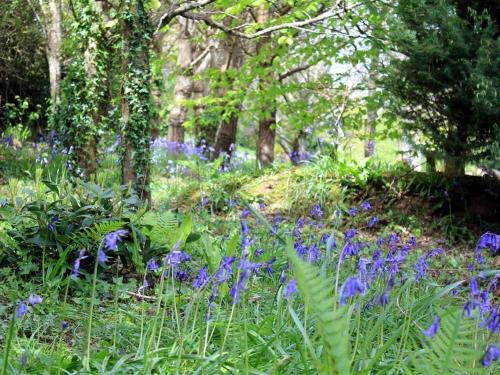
(384, 298)
(470, 267)
(351, 233)
(111, 239)
(474, 287)
(380, 241)
(244, 213)
(290, 289)
(313, 254)
(64, 325)
(257, 253)
(316, 212)
(21, 309)
(152, 265)
(494, 320)
(102, 256)
(52, 223)
(76, 265)
(234, 292)
(351, 287)
(262, 205)
(269, 265)
(435, 252)
(372, 222)
(283, 277)
(412, 241)
(362, 268)
(204, 201)
(492, 355)
(202, 279)
(353, 211)
(433, 328)
(467, 309)
(365, 206)
(393, 239)
(34, 299)
(420, 268)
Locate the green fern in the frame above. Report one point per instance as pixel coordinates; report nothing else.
(454, 349)
(95, 234)
(331, 323)
(162, 225)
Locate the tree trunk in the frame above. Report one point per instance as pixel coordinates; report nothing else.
(204, 132)
(54, 37)
(136, 131)
(371, 117)
(156, 89)
(454, 166)
(299, 148)
(265, 140)
(183, 84)
(267, 125)
(226, 136)
(228, 55)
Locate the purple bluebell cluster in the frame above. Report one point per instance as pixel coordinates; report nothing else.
(22, 307)
(487, 240)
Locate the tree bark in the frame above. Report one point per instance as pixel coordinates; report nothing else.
(454, 166)
(266, 139)
(267, 125)
(228, 55)
(183, 85)
(156, 89)
(54, 16)
(370, 122)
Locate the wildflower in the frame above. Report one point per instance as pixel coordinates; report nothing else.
(102, 256)
(111, 239)
(435, 252)
(467, 309)
(21, 309)
(420, 268)
(351, 287)
(262, 205)
(433, 328)
(384, 298)
(290, 289)
(269, 266)
(492, 354)
(365, 206)
(362, 263)
(372, 222)
(76, 265)
(24, 359)
(282, 277)
(52, 223)
(494, 321)
(353, 211)
(316, 212)
(202, 279)
(244, 213)
(64, 325)
(234, 292)
(350, 233)
(152, 265)
(470, 267)
(474, 287)
(34, 299)
(204, 201)
(313, 254)
(257, 253)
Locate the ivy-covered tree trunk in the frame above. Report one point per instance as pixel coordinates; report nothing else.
(135, 103)
(183, 84)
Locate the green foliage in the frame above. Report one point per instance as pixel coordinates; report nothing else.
(447, 83)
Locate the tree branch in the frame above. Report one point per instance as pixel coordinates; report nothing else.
(169, 16)
(293, 71)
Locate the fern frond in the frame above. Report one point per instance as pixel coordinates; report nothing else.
(331, 323)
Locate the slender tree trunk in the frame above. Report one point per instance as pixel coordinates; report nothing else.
(228, 55)
(183, 84)
(54, 36)
(371, 121)
(156, 89)
(299, 148)
(267, 125)
(203, 132)
(266, 139)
